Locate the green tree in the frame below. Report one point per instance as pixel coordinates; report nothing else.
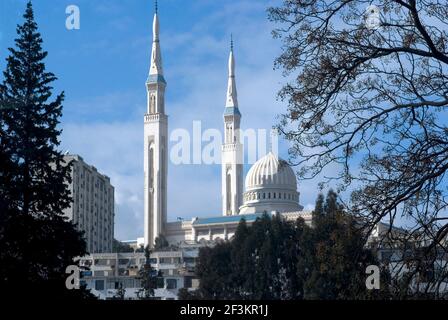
(185, 294)
(275, 259)
(215, 272)
(148, 276)
(259, 263)
(37, 243)
(118, 246)
(367, 91)
(333, 259)
(160, 243)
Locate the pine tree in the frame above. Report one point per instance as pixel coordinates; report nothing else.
(275, 259)
(215, 272)
(333, 262)
(259, 263)
(37, 243)
(148, 277)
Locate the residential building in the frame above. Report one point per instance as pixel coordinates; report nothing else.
(92, 207)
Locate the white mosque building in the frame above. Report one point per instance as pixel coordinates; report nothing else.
(270, 185)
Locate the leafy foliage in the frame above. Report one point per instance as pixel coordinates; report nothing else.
(118, 246)
(371, 101)
(148, 277)
(161, 243)
(276, 259)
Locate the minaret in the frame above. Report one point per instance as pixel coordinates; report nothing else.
(155, 148)
(232, 160)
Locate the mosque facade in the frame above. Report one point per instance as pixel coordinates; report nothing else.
(270, 185)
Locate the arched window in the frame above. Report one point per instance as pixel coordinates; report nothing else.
(151, 179)
(279, 195)
(264, 195)
(274, 195)
(152, 103)
(228, 193)
(162, 178)
(151, 167)
(269, 195)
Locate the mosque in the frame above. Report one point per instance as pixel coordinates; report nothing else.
(270, 185)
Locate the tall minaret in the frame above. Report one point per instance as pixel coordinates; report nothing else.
(232, 160)
(155, 148)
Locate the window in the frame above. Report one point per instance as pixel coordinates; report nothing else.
(99, 273)
(177, 259)
(159, 283)
(187, 282)
(189, 260)
(101, 262)
(165, 260)
(171, 283)
(99, 285)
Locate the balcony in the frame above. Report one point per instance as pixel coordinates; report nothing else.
(154, 117)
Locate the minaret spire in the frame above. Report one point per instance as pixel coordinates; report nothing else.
(155, 144)
(156, 56)
(232, 159)
(231, 100)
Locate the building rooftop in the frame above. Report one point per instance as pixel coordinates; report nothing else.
(227, 219)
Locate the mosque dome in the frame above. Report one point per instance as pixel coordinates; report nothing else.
(271, 171)
(271, 185)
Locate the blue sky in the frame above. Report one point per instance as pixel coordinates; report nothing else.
(103, 67)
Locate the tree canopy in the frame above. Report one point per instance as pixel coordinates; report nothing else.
(367, 94)
(37, 242)
(275, 259)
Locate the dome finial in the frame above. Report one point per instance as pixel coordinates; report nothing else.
(231, 42)
(155, 6)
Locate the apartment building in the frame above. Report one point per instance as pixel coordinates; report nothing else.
(92, 208)
(104, 273)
